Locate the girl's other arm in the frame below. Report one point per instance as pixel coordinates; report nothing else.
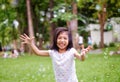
(29, 41)
(81, 56)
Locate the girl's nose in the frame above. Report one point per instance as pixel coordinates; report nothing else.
(62, 39)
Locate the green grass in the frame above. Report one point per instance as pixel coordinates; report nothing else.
(96, 68)
(26, 69)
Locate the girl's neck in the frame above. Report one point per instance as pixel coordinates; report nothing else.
(62, 50)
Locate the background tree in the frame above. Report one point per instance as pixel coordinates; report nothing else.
(101, 10)
(49, 14)
(8, 33)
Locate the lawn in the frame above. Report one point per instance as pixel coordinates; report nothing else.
(31, 68)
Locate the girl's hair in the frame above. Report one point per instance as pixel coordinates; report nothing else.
(57, 32)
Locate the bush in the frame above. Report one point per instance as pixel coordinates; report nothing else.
(95, 46)
(112, 44)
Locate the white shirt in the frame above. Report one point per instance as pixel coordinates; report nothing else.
(80, 40)
(64, 65)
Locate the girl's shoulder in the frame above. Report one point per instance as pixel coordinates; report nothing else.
(72, 49)
(52, 51)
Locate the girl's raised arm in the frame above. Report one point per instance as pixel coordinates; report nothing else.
(29, 41)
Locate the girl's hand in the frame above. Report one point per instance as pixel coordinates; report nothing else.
(26, 39)
(84, 51)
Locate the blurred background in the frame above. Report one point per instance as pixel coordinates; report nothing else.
(98, 18)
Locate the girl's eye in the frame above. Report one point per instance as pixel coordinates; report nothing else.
(59, 37)
(65, 38)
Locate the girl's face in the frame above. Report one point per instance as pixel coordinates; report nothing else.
(62, 41)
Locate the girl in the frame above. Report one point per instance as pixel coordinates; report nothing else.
(62, 54)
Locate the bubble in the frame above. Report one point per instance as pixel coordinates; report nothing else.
(81, 81)
(43, 75)
(105, 53)
(106, 57)
(33, 76)
(28, 74)
(107, 75)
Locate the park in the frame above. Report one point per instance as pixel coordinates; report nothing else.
(28, 32)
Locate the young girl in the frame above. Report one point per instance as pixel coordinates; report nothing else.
(62, 54)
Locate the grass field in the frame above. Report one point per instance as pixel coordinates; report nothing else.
(31, 68)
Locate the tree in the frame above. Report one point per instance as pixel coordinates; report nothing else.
(52, 24)
(74, 24)
(30, 24)
(102, 20)
(8, 32)
(49, 14)
(101, 10)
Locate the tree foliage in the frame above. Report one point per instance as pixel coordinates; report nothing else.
(89, 8)
(87, 12)
(7, 16)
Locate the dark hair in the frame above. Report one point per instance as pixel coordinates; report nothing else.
(57, 32)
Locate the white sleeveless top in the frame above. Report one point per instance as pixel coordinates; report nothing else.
(80, 40)
(64, 65)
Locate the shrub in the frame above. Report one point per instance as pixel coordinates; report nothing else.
(95, 46)
(112, 44)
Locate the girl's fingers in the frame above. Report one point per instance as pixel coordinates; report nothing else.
(23, 42)
(84, 50)
(26, 36)
(83, 53)
(22, 38)
(32, 38)
(89, 47)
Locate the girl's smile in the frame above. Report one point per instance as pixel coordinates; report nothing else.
(62, 41)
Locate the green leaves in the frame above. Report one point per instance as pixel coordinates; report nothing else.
(64, 17)
(8, 14)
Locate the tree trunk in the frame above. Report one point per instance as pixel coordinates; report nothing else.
(102, 19)
(14, 44)
(30, 24)
(73, 25)
(52, 24)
